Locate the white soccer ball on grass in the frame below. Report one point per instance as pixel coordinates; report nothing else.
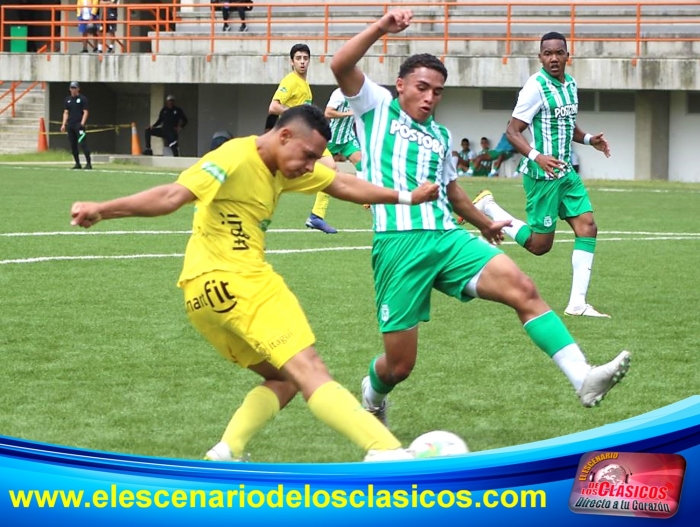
(438, 443)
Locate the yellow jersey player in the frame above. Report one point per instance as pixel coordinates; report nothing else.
(294, 90)
(232, 295)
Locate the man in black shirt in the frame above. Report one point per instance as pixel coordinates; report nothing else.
(75, 115)
(170, 121)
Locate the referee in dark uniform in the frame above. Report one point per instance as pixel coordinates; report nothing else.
(170, 121)
(75, 115)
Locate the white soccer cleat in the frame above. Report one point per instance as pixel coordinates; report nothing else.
(585, 310)
(482, 200)
(221, 452)
(600, 379)
(377, 411)
(399, 454)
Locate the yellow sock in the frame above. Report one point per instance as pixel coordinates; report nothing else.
(321, 204)
(259, 406)
(336, 407)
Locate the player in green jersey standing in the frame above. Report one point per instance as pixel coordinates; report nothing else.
(343, 139)
(548, 105)
(418, 248)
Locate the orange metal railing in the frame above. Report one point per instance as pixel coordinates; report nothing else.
(14, 97)
(153, 28)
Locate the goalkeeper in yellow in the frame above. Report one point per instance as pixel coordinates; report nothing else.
(292, 91)
(232, 295)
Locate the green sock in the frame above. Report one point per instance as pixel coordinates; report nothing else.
(523, 235)
(584, 244)
(377, 384)
(548, 332)
(358, 166)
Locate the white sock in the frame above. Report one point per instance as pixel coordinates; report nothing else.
(374, 398)
(494, 211)
(572, 363)
(582, 262)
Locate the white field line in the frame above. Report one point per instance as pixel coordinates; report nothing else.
(647, 190)
(165, 172)
(286, 251)
(308, 231)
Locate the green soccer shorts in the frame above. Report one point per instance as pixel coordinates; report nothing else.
(345, 149)
(408, 265)
(565, 197)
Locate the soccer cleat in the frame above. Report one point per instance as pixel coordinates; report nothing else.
(318, 223)
(398, 454)
(600, 379)
(493, 173)
(147, 152)
(76, 167)
(586, 310)
(221, 452)
(482, 199)
(377, 411)
(88, 166)
(469, 172)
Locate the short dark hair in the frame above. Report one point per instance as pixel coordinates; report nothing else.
(311, 115)
(423, 60)
(299, 47)
(552, 35)
(484, 138)
(464, 139)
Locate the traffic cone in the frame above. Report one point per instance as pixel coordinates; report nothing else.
(135, 143)
(43, 143)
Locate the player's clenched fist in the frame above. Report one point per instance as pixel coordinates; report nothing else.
(84, 214)
(426, 192)
(396, 20)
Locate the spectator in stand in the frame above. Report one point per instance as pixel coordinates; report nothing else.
(87, 11)
(226, 10)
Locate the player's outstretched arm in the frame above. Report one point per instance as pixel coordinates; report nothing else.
(462, 205)
(351, 188)
(344, 64)
(596, 141)
(157, 201)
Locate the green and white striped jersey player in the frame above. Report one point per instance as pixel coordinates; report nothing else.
(417, 249)
(401, 153)
(548, 106)
(343, 139)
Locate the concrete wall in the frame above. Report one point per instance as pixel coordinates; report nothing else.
(683, 141)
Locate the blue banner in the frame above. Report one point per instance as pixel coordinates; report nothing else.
(44, 484)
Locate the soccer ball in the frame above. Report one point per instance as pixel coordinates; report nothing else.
(438, 443)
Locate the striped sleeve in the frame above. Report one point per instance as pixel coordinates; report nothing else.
(529, 101)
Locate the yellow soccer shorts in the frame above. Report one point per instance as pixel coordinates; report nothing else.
(248, 318)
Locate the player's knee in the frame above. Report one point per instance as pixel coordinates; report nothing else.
(590, 229)
(400, 371)
(539, 248)
(525, 290)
